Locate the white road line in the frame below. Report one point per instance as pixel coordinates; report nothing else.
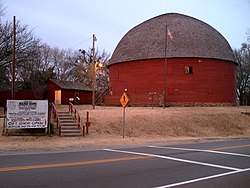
(203, 178)
(174, 159)
(200, 150)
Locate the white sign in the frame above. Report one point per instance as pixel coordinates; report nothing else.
(23, 114)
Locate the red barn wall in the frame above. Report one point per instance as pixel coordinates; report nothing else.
(51, 86)
(212, 82)
(19, 95)
(85, 96)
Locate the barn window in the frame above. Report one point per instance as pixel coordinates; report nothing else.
(188, 70)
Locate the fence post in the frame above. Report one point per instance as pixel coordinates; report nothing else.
(87, 123)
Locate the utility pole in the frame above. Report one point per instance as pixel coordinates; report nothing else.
(94, 72)
(165, 66)
(13, 59)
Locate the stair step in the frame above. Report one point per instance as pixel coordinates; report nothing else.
(69, 127)
(66, 118)
(64, 127)
(70, 131)
(71, 134)
(66, 114)
(69, 124)
(63, 111)
(67, 121)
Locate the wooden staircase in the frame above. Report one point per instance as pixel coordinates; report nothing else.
(69, 127)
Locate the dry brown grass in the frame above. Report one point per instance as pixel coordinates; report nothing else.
(174, 121)
(143, 125)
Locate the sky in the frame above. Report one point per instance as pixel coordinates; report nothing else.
(72, 23)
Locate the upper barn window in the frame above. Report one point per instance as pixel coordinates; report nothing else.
(188, 70)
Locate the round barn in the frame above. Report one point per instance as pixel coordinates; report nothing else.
(175, 59)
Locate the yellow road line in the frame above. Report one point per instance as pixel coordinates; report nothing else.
(230, 147)
(16, 168)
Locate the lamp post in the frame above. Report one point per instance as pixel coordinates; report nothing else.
(94, 72)
(95, 66)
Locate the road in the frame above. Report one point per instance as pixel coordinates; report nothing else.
(207, 164)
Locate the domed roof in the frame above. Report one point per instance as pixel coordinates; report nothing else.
(191, 38)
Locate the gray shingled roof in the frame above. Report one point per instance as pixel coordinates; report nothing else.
(191, 38)
(71, 85)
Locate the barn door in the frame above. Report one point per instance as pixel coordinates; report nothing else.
(57, 96)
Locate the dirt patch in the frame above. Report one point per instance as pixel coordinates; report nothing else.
(143, 126)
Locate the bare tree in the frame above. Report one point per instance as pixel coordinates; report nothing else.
(242, 56)
(74, 66)
(37, 62)
(2, 9)
(85, 69)
(27, 52)
(102, 73)
(43, 70)
(26, 48)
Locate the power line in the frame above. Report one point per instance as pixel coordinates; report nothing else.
(81, 42)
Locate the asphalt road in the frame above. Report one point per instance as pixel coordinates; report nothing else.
(209, 164)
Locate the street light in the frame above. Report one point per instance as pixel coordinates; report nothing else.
(95, 65)
(99, 64)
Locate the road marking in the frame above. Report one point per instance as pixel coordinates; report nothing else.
(231, 147)
(173, 159)
(17, 168)
(203, 178)
(200, 150)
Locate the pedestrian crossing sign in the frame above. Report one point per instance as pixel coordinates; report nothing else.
(124, 100)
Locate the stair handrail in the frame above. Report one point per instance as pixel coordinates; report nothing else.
(55, 116)
(102, 93)
(77, 117)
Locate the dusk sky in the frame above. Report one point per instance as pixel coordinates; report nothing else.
(71, 24)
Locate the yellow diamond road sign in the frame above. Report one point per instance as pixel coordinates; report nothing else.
(124, 100)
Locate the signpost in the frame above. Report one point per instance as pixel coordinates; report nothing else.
(124, 101)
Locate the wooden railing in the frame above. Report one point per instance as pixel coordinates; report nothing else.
(56, 117)
(76, 115)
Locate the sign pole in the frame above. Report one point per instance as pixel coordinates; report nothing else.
(123, 122)
(124, 101)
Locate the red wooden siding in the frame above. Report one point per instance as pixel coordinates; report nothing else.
(211, 81)
(85, 96)
(19, 95)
